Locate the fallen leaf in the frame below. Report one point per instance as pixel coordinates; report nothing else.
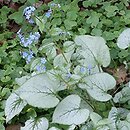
(120, 73)
(47, 1)
(13, 127)
(1, 43)
(38, 4)
(14, 6)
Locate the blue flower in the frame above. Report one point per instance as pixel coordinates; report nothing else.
(28, 41)
(43, 68)
(37, 36)
(89, 67)
(40, 68)
(43, 60)
(82, 69)
(31, 21)
(48, 13)
(69, 75)
(27, 12)
(32, 37)
(24, 54)
(64, 33)
(28, 56)
(54, 4)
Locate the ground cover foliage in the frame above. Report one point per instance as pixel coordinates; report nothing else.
(64, 65)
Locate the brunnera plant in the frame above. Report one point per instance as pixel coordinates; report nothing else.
(42, 89)
(67, 79)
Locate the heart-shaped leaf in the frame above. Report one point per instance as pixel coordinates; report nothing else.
(68, 111)
(123, 96)
(14, 106)
(40, 23)
(123, 40)
(94, 50)
(97, 86)
(40, 91)
(36, 124)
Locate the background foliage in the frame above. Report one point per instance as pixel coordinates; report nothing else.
(93, 17)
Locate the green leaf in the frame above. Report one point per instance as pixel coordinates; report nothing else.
(1, 73)
(95, 118)
(93, 19)
(103, 127)
(54, 128)
(56, 21)
(94, 50)
(14, 106)
(3, 14)
(82, 31)
(111, 10)
(97, 86)
(87, 126)
(17, 17)
(123, 125)
(109, 35)
(40, 87)
(34, 64)
(15, 0)
(56, 31)
(68, 46)
(69, 24)
(113, 116)
(5, 91)
(120, 118)
(68, 111)
(32, 1)
(123, 40)
(72, 15)
(36, 124)
(72, 127)
(88, 3)
(5, 79)
(96, 32)
(62, 59)
(40, 23)
(123, 54)
(22, 80)
(49, 49)
(123, 96)
(2, 127)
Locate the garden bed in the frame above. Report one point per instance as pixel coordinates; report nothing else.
(64, 60)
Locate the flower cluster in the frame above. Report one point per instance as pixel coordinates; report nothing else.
(28, 41)
(41, 67)
(64, 33)
(32, 38)
(55, 5)
(28, 11)
(28, 56)
(49, 12)
(88, 69)
(68, 75)
(82, 69)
